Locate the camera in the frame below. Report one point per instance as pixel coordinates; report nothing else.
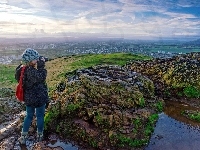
(45, 58)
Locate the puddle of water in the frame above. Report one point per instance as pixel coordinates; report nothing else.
(174, 131)
(51, 143)
(63, 145)
(174, 109)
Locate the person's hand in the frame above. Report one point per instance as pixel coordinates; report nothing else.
(41, 62)
(42, 58)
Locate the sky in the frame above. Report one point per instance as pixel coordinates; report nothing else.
(128, 19)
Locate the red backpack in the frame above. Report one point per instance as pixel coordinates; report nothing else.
(19, 93)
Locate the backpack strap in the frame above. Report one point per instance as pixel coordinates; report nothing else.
(22, 74)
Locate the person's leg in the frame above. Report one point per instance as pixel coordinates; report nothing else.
(40, 121)
(27, 122)
(28, 119)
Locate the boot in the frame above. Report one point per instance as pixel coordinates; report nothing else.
(39, 136)
(23, 137)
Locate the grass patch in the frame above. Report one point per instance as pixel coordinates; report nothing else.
(112, 59)
(7, 76)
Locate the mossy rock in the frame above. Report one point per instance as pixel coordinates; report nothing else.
(105, 111)
(178, 72)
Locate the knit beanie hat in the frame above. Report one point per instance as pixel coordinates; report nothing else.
(29, 55)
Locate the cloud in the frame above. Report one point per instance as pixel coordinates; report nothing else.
(186, 3)
(120, 17)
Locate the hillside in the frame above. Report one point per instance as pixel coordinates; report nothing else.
(57, 70)
(109, 100)
(58, 67)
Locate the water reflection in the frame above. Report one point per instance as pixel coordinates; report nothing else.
(53, 143)
(65, 146)
(174, 131)
(174, 110)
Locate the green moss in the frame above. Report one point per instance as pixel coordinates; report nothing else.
(141, 102)
(93, 142)
(150, 124)
(51, 116)
(72, 107)
(193, 115)
(191, 92)
(123, 141)
(159, 106)
(137, 122)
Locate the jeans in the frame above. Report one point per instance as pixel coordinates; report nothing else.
(30, 111)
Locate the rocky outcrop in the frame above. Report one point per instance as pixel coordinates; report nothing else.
(116, 74)
(105, 107)
(171, 76)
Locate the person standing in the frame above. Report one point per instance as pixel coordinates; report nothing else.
(35, 92)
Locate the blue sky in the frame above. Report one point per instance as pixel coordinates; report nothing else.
(129, 19)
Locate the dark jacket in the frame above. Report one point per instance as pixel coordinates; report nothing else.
(34, 85)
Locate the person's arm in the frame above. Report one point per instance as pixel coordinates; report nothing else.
(35, 76)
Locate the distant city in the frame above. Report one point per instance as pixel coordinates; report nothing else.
(11, 53)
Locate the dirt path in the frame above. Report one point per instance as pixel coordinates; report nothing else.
(10, 133)
(11, 117)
